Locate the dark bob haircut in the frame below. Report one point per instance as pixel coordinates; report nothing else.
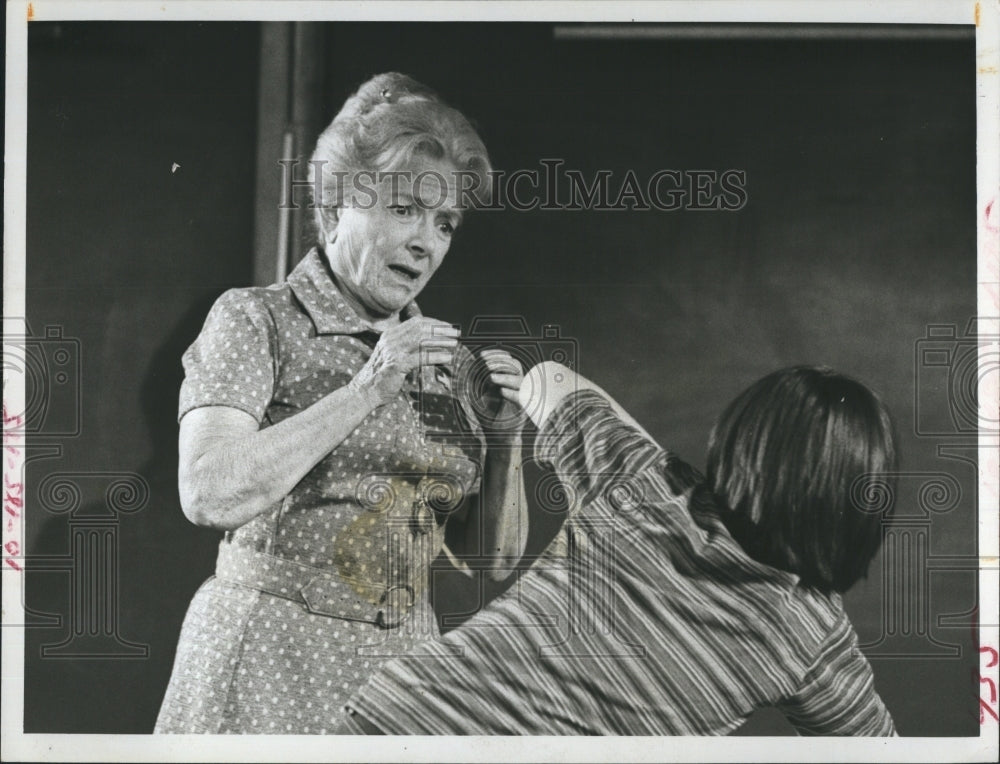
(786, 459)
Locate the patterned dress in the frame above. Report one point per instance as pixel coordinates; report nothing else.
(645, 617)
(313, 595)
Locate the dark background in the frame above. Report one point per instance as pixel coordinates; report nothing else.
(858, 233)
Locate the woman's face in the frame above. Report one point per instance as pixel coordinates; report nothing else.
(394, 235)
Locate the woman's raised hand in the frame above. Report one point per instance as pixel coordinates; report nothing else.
(505, 372)
(416, 342)
(502, 411)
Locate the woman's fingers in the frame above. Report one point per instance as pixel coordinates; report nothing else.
(489, 353)
(430, 357)
(438, 342)
(500, 361)
(510, 395)
(506, 381)
(421, 342)
(508, 369)
(505, 372)
(431, 327)
(434, 338)
(417, 330)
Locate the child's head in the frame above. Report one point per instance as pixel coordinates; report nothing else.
(783, 457)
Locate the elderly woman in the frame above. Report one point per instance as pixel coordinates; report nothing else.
(333, 433)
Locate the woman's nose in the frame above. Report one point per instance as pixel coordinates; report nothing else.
(422, 243)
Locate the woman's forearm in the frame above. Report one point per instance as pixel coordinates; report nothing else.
(499, 530)
(230, 471)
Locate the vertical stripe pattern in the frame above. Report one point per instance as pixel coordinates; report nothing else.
(643, 617)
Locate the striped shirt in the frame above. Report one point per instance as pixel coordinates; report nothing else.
(643, 617)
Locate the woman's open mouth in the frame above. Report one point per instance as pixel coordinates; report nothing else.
(408, 273)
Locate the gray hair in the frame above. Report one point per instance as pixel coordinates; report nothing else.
(391, 118)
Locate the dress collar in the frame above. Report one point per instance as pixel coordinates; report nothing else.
(313, 285)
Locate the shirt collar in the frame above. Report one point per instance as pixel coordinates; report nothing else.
(313, 285)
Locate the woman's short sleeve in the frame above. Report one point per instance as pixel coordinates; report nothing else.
(232, 361)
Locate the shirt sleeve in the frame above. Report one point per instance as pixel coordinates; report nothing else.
(231, 363)
(589, 447)
(837, 695)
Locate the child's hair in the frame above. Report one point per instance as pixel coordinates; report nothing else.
(785, 459)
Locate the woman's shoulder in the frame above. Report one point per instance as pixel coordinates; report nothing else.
(254, 298)
(250, 316)
(271, 305)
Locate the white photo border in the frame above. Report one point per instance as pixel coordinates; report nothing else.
(43, 747)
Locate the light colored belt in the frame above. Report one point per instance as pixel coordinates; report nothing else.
(322, 592)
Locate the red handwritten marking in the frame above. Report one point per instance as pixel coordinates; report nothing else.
(990, 243)
(17, 419)
(996, 656)
(986, 707)
(13, 499)
(13, 549)
(993, 688)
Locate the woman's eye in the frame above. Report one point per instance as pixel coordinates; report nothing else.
(447, 228)
(401, 210)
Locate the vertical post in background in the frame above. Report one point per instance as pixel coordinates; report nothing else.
(289, 117)
(272, 111)
(307, 120)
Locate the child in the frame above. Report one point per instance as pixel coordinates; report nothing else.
(673, 604)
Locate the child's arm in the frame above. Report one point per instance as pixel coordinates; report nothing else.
(592, 444)
(837, 695)
(549, 383)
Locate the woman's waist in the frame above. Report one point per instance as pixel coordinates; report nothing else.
(380, 594)
(370, 550)
(381, 489)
